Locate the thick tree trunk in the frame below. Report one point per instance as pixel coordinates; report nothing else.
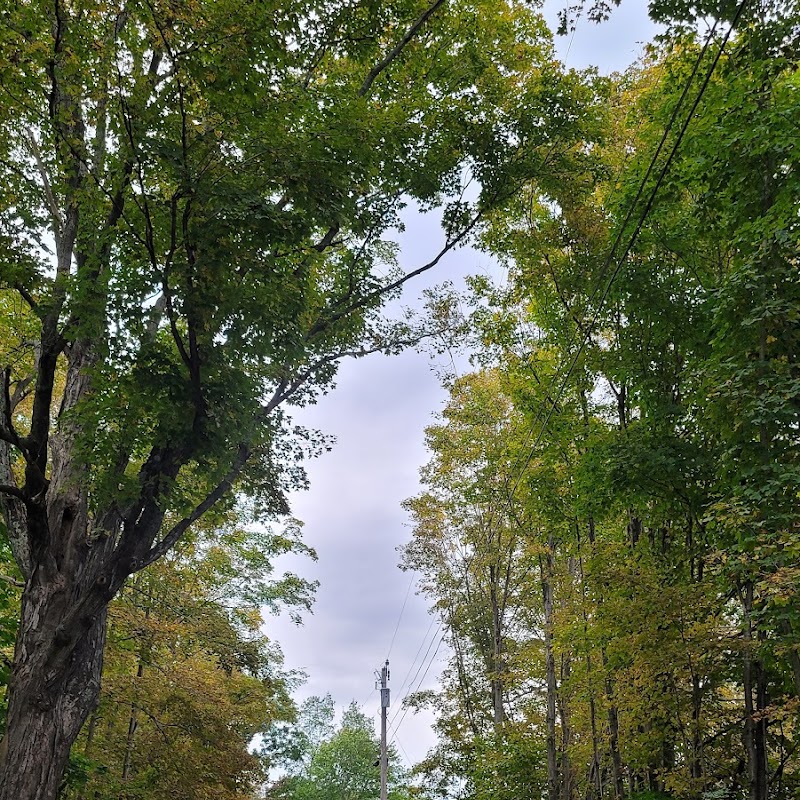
(48, 701)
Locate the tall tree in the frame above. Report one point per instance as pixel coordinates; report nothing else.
(193, 200)
(189, 677)
(649, 347)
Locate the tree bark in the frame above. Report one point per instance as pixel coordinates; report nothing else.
(755, 724)
(48, 702)
(546, 574)
(613, 718)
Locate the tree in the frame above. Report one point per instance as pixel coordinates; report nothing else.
(189, 678)
(193, 203)
(657, 453)
(341, 766)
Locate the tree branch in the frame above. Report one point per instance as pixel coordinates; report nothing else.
(12, 491)
(323, 324)
(211, 499)
(399, 47)
(50, 200)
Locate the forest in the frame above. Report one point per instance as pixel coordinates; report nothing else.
(200, 202)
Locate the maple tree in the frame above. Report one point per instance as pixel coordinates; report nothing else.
(192, 216)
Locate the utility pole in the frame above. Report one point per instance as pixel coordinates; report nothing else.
(384, 679)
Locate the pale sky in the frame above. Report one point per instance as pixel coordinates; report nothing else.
(352, 513)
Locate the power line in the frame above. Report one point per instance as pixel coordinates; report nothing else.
(552, 404)
(430, 644)
(421, 680)
(414, 661)
(402, 609)
(396, 740)
(648, 207)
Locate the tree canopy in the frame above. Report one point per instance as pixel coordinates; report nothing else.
(633, 430)
(193, 216)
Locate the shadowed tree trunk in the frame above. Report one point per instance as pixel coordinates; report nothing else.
(47, 706)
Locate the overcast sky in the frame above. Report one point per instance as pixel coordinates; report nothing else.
(352, 514)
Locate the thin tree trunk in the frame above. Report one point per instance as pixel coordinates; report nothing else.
(546, 575)
(696, 761)
(498, 664)
(613, 730)
(567, 782)
(613, 717)
(87, 750)
(567, 777)
(595, 772)
(755, 724)
(133, 724)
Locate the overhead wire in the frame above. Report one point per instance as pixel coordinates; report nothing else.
(402, 609)
(422, 662)
(421, 680)
(552, 403)
(640, 224)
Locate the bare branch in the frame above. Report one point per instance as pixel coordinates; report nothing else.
(324, 323)
(327, 240)
(50, 199)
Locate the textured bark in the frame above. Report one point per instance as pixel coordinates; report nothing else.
(48, 701)
(12, 508)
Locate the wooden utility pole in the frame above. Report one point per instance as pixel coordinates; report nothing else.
(384, 678)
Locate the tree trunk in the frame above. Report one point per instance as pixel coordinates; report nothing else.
(546, 575)
(49, 701)
(133, 725)
(567, 783)
(755, 724)
(613, 730)
(595, 771)
(498, 664)
(613, 717)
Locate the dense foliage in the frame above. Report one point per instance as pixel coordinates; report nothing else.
(189, 677)
(610, 525)
(194, 202)
(196, 206)
(322, 761)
